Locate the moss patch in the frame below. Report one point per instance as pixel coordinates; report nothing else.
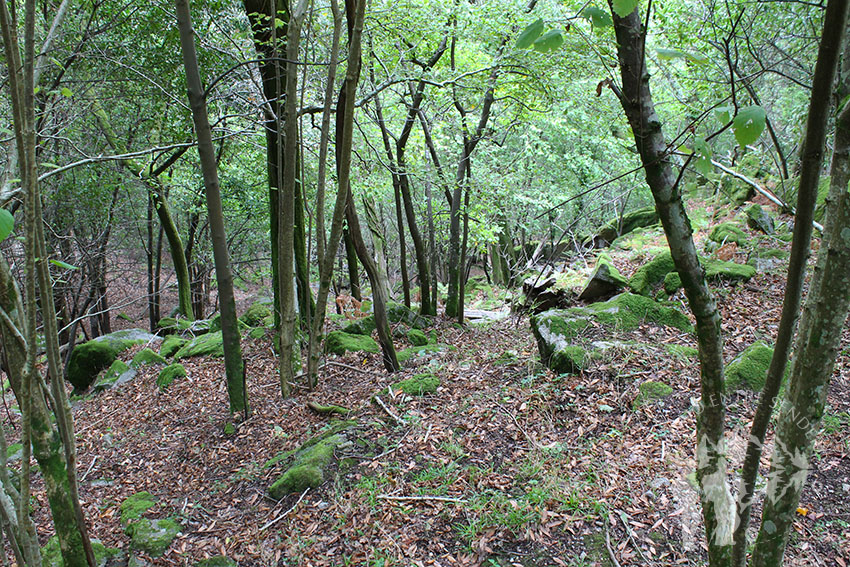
(749, 369)
(170, 345)
(407, 354)
(51, 554)
(217, 561)
(759, 219)
(650, 392)
(638, 218)
(153, 536)
(715, 270)
(255, 315)
(169, 374)
(340, 342)
(684, 353)
(146, 356)
(209, 344)
(363, 326)
(89, 358)
(309, 462)
(398, 313)
(417, 337)
(652, 273)
(174, 325)
(135, 505)
(418, 385)
(728, 232)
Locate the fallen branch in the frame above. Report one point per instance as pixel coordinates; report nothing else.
(349, 367)
(608, 547)
(331, 409)
(390, 413)
(276, 520)
(421, 499)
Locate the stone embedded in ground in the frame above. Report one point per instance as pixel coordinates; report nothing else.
(146, 356)
(217, 561)
(169, 374)
(363, 326)
(639, 218)
(728, 232)
(256, 314)
(398, 313)
(170, 345)
(135, 505)
(652, 273)
(209, 344)
(417, 337)
(749, 369)
(153, 536)
(89, 358)
(759, 219)
(418, 385)
(603, 282)
(651, 391)
(340, 342)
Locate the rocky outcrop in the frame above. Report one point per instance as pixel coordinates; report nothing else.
(88, 359)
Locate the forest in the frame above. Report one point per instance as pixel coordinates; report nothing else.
(495, 282)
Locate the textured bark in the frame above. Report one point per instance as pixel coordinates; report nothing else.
(353, 265)
(812, 161)
(224, 277)
(636, 99)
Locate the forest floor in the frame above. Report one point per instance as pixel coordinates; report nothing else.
(506, 464)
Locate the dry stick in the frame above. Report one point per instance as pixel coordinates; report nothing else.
(528, 437)
(91, 466)
(608, 547)
(421, 499)
(354, 368)
(390, 413)
(276, 520)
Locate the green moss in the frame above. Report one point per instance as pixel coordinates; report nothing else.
(153, 536)
(169, 374)
(749, 369)
(398, 313)
(672, 282)
(330, 430)
(257, 333)
(340, 342)
(124, 316)
(173, 324)
(628, 311)
(215, 324)
(255, 315)
(759, 219)
(651, 391)
(363, 326)
(146, 356)
(683, 353)
(135, 505)
(89, 358)
(297, 479)
(229, 429)
(209, 344)
(728, 232)
(597, 550)
(417, 337)
(217, 561)
(309, 462)
(639, 218)
(171, 345)
(714, 270)
(418, 385)
(407, 354)
(652, 273)
(569, 360)
(51, 554)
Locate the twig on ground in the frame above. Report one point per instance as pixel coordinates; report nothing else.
(389, 412)
(276, 520)
(91, 466)
(349, 367)
(530, 439)
(608, 547)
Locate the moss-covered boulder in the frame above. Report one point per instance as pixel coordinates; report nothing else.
(209, 344)
(146, 356)
(217, 561)
(170, 345)
(560, 333)
(726, 232)
(118, 372)
(749, 369)
(651, 391)
(417, 337)
(307, 465)
(256, 314)
(89, 358)
(169, 374)
(418, 385)
(398, 313)
(340, 342)
(759, 219)
(639, 218)
(363, 326)
(51, 554)
(737, 191)
(175, 325)
(652, 273)
(715, 270)
(135, 505)
(153, 536)
(604, 281)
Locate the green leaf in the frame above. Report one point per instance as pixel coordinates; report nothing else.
(749, 124)
(598, 18)
(723, 114)
(550, 41)
(703, 155)
(63, 265)
(529, 34)
(7, 224)
(66, 92)
(669, 54)
(624, 7)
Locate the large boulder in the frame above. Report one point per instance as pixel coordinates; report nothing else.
(652, 273)
(604, 281)
(749, 369)
(759, 219)
(89, 358)
(340, 342)
(639, 218)
(363, 326)
(209, 344)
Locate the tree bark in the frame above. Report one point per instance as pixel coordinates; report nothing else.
(224, 277)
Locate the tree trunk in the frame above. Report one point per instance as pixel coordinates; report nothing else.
(229, 329)
(353, 267)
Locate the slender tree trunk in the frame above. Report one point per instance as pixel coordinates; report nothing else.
(229, 329)
(353, 267)
(716, 498)
(463, 250)
(402, 243)
(306, 307)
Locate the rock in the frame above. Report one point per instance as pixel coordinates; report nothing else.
(257, 333)
(153, 536)
(217, 561)
(604, 281)
(418, 385)
(759, 219)
(169, 374)
(257, 313)
(170, 345)
(765, 260)
(215, 324)
(363, 326)
(174, 325)
(652, 273)
(398, 313)
(639, 218)
(118, 373)
(308, 463)
(340, 342)
(558, 332)
(89, 358)
(408, 354)
(146, 356)
(135, 505)
(736, 190)
(749, 369)
(209, 344)
(51, 555)
(728, 232)
(651, 391)
(542, 294)
(715, 270)
(417, 337)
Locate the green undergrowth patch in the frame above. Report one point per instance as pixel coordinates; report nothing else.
(405, 355)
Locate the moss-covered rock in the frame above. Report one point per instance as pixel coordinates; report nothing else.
(306, 469)
(170, 345)
(759, 219)
(217, 561)
(117, 371)
(146, 356)
(153, 536)
(410, 353)
(418, 385)
(51, 554)
(715, 270)
(256, 314)
(749, 369)
(736, 190)
(363, 326)
(651, 391)
(728, 232)
(340, 342)
(169, 374)
(257, 333)
(209, 344)
(417, 337)
(639, 218)
(215, 324)
(398, 313)
(297, 479)
(89, 358)
(135, 506)
(767, 259)
(175, 325)
(652, 273)
(604, 280)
